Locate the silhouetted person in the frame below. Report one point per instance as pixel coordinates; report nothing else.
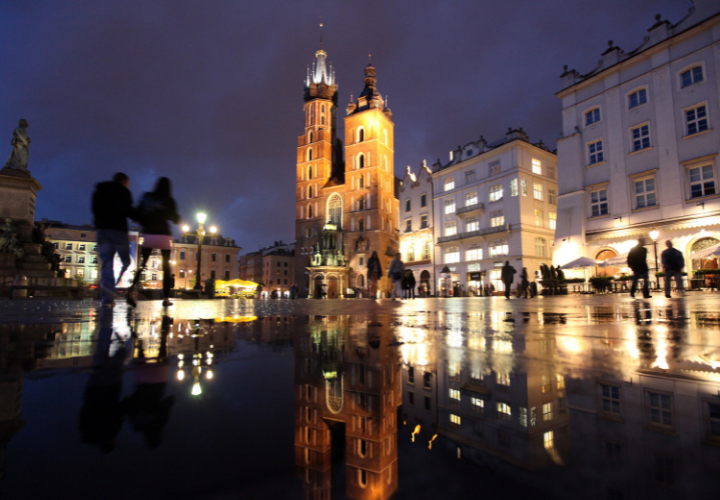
(673, 263)
(395, 273)
(637, 261)
(112, 206)
(374, 272)
(102, 412)
(524, 283)
(154, 211)
(507, 275)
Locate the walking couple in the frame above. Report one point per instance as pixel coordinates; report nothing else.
(112, 206)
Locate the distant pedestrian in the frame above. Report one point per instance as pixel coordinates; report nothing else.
(172, 282)
(258, 292)
(507, 275)
(408, 284)
(293, 291)
(112, 206)
(637, 261)
(395, 273)
(374, 272)
(673, 263)
(533, 289)
(524, 283)
(156, 208)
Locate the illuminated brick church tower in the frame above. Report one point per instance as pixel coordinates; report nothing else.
(345, 210)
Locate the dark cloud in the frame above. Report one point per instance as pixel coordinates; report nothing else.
(209, 93)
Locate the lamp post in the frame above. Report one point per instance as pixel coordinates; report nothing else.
(200, 236)
(654, 235)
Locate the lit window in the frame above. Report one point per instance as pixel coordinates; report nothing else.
(536, 167)
(547, 412)
(449, 183)
(469, 176)
(523, 416)
(523, 187)
(560, 382)
(474, 254)
(408, 225)
(540, 247)
(80, 273)
(550, 171)
(94, 274)
(691, 76)
(592, 116)
(637, 98)
(499, 249)
(696, 120)
(610, 398)
(503, 410)
(545, 387)
(454, 395)
(450, 206)
(702, 181)
(472, 225)
(496, 192)
(661, 409)
(425, 250)
(455, 420)
(640, 137)
(552, 196)
(497, 218)
(452, 255)
(450, 228)
(503, 378)
(538, 218)
(645, 193)
(479, 405)
(471, 199)
(537, 191)
(598, 203)
(548, 440)
(553, 220)
(423, 222)
(595, 151)
(514, 187)
(494, 168)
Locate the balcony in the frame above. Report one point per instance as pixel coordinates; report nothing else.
(471, 234)
(474, 209)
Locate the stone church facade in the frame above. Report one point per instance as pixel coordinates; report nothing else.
(347, 204)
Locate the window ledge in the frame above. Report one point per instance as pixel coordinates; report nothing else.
(689, 136)
(702, 198)
(645, 209)
(640, 151)
(661, 429)
(611, 416)
(599, 217)
(590, 165)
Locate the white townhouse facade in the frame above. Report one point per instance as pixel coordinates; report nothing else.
(416, 227)
(639, 151)
(492, 203)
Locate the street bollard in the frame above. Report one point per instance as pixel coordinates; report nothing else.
(20, 280)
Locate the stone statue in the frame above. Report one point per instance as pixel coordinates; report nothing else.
(9, 242)
(20, 147)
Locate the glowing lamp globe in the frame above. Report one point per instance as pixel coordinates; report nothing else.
(201, 217)
(186, 228)
(654, 234)
(213, 229)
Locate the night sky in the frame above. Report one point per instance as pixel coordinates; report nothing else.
(209, 93)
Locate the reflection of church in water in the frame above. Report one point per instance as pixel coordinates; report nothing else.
(347, 209)
(346, 377)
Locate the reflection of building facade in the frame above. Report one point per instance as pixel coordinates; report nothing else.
(358, 197)
(346, 376)
(416, 227)
(639, 147)
(492, 203)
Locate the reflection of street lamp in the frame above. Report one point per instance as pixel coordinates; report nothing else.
(200, 235)
(654, 235)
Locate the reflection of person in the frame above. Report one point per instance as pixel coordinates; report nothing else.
(154, 211)
(637, 261)
(102, 412)
(507, 275)
(395, 273)
(112, 206)
(673, 263)
(374, 271)
(20, 147)
(148, 408)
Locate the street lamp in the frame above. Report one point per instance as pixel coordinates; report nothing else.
(200, 236)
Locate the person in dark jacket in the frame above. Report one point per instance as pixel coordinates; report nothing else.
(524, 283)
(637, 261)
(112, 206)
(408, 284)
(507, 275)
(154, 211)
(374, 272)
(673, 263)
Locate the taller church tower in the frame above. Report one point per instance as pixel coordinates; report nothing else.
(319, 162)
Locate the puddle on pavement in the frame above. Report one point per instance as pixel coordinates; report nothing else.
(596, 402)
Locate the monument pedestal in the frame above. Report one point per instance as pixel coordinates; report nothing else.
(17, 195)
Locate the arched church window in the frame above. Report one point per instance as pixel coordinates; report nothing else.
(361, 225)
(335, 209)
(312, 114)
(361, 161)
(310, 192)
(310, 137)
(310, 154)
(361, 182)
(385, 163)
(310, 212)
(361, 134)
(361, 204)
(309, 176)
